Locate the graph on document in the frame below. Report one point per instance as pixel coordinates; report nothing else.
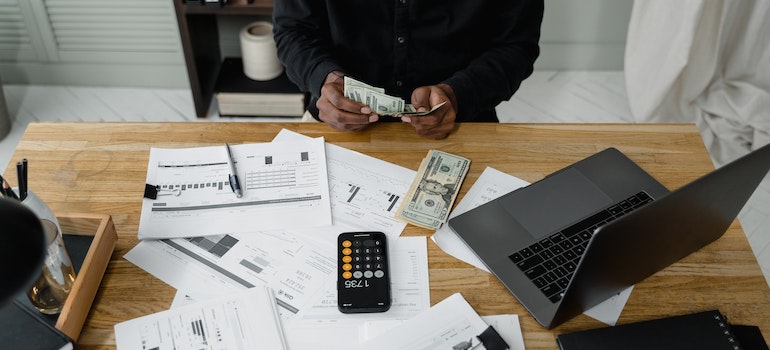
(211, 251)
(382, 199)
(360, 194)
(193, 176)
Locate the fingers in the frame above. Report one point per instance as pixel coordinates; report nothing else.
(438, 124)
(341, 112)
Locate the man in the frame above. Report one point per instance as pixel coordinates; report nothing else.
(473, 54)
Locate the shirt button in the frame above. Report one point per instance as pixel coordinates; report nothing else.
(399, 83)
(401, 40)
(403, 2)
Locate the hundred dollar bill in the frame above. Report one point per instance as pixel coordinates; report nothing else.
(434, 190)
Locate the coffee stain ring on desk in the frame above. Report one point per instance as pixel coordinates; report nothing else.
(97, 162)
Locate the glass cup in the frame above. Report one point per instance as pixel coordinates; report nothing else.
(54, 285)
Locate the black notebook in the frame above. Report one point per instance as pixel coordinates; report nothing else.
(23, 328)
(703, 330)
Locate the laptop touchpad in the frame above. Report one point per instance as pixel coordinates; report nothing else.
(556, 201)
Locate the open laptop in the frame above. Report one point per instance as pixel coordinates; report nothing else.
(541, 242)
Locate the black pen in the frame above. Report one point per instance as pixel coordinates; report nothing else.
(234, 183)
(20, 177)
(24, 166)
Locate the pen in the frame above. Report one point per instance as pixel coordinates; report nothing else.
(20, 177)
(24, 166)
(234, 183)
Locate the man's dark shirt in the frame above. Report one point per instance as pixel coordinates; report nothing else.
(482, 48)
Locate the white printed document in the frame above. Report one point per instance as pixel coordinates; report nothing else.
(450, 324)
(245, 320)
(321, 325)
(295, 266)
(365, 191)
(281, 182)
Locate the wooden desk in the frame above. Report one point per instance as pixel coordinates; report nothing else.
(101, 168)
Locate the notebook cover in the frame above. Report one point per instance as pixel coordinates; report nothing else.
(703, 330)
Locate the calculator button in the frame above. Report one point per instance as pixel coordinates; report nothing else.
(368, 274)
(346, 275)
(358, 274)
(346, 251)
(379, 273)
(346, 243)
(347, 259)
(347, 267)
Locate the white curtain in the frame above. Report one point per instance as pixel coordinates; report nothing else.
(703, 61)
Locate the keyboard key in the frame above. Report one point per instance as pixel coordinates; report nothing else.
(516, 257)
(570, 255)
(526, 252)
(535, 271)
(558, 237)
(530, 263)
(551, 289)
(555, 298)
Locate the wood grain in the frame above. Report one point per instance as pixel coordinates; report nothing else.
(101, 168)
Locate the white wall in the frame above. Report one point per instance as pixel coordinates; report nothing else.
(584, 34)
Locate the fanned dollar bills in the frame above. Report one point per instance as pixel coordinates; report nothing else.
(434, 189)
(380, 102)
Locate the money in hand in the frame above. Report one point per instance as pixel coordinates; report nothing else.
(380, 102)
(434, 190)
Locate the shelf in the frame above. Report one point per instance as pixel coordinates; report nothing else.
(199, 32)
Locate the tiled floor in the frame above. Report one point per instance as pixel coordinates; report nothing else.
(548, 97)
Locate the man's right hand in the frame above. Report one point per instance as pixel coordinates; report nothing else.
(339, 111)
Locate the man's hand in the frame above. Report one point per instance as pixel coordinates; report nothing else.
(339, 111)
(440, 123)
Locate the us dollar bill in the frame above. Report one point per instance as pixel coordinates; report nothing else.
(380, 102)
(434, 190)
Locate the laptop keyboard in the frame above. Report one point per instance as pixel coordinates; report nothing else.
(551, 262)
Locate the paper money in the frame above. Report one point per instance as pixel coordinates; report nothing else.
(380, 102)
(434, 190)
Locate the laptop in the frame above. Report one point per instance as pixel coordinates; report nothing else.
(586, 232)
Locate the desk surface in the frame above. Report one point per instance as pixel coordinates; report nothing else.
(101, 168)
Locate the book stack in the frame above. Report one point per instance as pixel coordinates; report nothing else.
(238, 95)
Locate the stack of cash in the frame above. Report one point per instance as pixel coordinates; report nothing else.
(380, 102)
(434, 189)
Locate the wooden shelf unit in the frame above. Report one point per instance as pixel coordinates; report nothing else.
(199, 33)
